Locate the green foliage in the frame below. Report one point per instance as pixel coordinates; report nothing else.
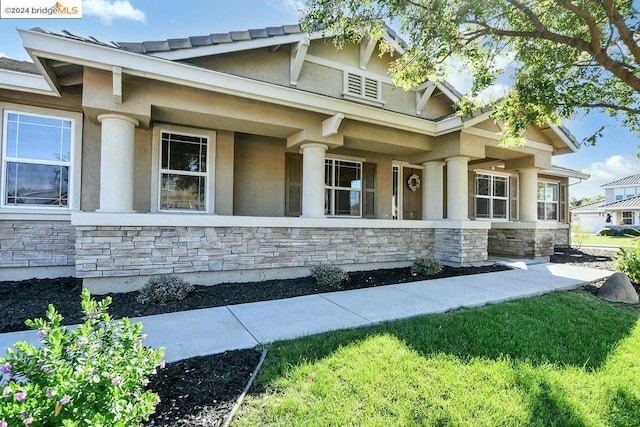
(328, 275)
(561, 57)
(94, 375)
(426, 266)
(627, 260)
(619, 231)
(164, 289)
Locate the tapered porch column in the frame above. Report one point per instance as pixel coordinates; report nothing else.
(313, 180)
(432, 191)
(117, 162)
(457, 188)
(528, 180)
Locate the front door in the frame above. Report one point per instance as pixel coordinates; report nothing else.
(411, 193)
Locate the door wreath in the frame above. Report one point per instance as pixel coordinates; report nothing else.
(413, 182)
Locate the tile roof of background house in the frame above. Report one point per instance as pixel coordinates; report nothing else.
(19, 66)
(629, 180)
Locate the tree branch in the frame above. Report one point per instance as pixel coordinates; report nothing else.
(588, 19)
(626, 35)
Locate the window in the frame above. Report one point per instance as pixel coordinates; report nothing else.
(629, 192)
(618, 193)
(362, 87)
(547, 201)
(627, 218)
(183, 172)
(492, 196)
(37, 164)
(343, 188)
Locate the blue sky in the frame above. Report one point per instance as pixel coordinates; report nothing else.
(139, 20)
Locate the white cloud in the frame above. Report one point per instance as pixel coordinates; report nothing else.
(610, 169)
(109, 10)
(3, 55)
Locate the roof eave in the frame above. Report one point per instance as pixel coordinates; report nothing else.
(41, 45)
(25, 82)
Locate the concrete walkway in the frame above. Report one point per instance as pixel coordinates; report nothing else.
(208, 331)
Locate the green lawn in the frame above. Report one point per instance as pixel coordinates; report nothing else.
(565, 359)
(590, 239)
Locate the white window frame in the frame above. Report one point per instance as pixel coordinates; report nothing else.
(630, 217)
(546, 202)
(74, 163)
(157, 171)
(491, 197)
(332, 187)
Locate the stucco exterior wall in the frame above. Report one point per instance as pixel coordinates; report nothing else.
(259, 64)
(225, 146)
(259, 176)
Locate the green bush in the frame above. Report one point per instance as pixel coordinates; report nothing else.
(426, 266)
(328, 275)
(627, 260)
(164, 289)
(94, 375)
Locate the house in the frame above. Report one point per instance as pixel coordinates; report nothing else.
(621, 206)
(255, 154)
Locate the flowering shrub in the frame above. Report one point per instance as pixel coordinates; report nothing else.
(627, 260)
(327, 275)
(94, 375)
(164, 289)
(425, 266)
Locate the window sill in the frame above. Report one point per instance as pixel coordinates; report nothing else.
(26, 214)
(362, 99)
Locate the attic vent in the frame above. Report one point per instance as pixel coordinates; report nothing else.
(362, 87)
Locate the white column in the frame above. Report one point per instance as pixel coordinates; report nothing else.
(117, 162)
(528, 183)
(313, 180)
(457, 188)
(432, 191)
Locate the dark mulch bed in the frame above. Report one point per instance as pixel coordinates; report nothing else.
(29, 298)
(201, 391)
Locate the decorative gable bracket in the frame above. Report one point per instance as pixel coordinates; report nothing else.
(367, 46)
(298, 53)
(423, 98)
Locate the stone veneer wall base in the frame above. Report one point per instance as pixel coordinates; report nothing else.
(124, 257)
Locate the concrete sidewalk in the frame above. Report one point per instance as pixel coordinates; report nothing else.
(214, 330)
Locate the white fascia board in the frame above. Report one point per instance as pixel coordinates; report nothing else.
(573, 147)
(472, 121)
(448, 125)
(25, 82)
(566, 173)
(494, 136)
(236, 46)
(105, 58)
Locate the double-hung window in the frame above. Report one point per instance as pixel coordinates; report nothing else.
(492, 196)
(37, 166)
(183, 172)
(343, 188)
(547, 201)
(627, 217)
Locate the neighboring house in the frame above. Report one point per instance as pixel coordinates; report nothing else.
(255, 154)
(621, 206)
